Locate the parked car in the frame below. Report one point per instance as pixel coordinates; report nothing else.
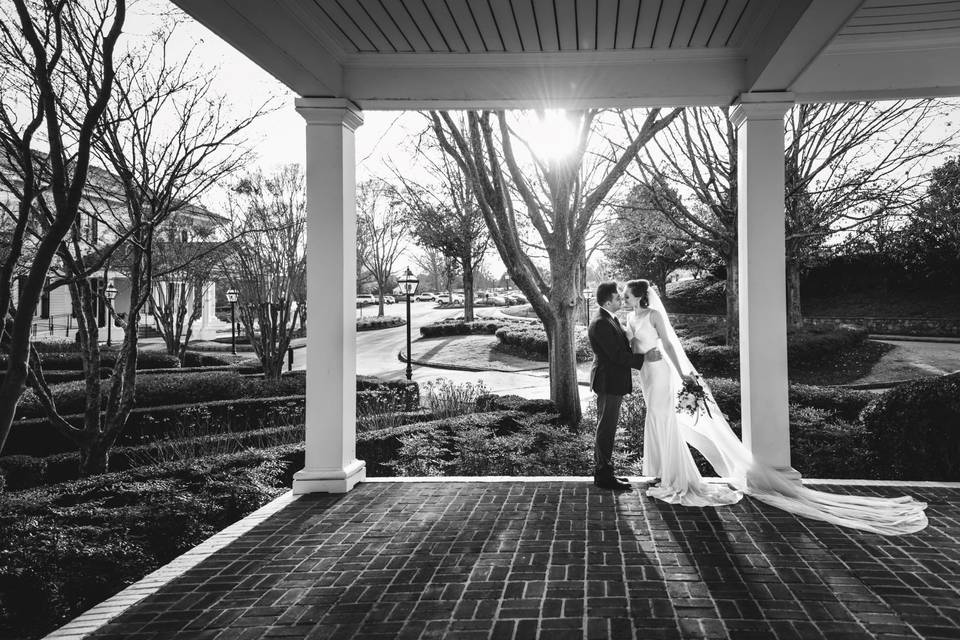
(425, 297)
(364, 299)
(389, 300)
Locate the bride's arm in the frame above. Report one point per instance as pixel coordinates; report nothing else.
(657, 321)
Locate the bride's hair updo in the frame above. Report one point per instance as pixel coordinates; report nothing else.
(640, 290)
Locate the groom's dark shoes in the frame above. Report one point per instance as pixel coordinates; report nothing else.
(608, 481)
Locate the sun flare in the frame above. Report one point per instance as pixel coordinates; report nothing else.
(552, 136)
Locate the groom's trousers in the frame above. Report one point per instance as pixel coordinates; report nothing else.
(608, 415)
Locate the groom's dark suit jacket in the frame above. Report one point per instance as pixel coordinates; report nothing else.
(612, 358)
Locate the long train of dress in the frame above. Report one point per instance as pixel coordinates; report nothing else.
(666, 455)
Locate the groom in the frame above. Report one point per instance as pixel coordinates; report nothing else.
(610, 379)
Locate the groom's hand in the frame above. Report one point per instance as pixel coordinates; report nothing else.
(653, 355)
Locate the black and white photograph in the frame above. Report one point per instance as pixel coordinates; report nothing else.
(480, 319)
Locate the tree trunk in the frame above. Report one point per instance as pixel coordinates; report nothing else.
(467, 264)
(94, 456)
(562, 351)
(794, 315)
(733, 298)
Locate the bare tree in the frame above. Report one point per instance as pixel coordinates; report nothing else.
(188, 267)
(267, 263)
(846, 165)
(445, 216)
(43, 45)
(560, 200)
(383, 230)
(697, 155)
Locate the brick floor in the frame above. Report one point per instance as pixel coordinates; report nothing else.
(559, 560)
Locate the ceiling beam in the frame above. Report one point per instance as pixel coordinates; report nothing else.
(275, 40)
(795, 35)
(576, 79)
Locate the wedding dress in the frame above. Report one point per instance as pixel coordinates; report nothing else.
(666, 454)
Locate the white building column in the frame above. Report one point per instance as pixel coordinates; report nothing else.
(331, 463)
(763, 293)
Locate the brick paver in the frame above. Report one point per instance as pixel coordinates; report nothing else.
(559, 560)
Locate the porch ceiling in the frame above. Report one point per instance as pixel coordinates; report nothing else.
(395, 54)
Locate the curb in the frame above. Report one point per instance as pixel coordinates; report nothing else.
(899, 338)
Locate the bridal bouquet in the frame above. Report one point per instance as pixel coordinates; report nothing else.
(692, 398)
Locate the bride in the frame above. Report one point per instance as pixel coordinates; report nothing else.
(668, 431)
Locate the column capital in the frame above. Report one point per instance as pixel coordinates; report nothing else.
(771, 105)
(330, 111)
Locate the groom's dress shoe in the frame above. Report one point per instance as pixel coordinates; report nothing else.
(609, 482)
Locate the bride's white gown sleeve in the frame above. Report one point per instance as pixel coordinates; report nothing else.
(666, 455)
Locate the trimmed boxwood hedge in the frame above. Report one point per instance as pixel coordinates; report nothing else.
(25, 472)
(915, 430)
(73, 361)
(461, 328)
(531, 341)
(39, 437)
(378, 322)
(157, 390)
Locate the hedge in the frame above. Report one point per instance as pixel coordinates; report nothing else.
(532, 341)
(158, 390)
(915, 430)
(377, 322)
(39, 437)
(70, 546)
(25, 472)
(73, 361)
(220, 403)
(495, 402)
(804, 346)
(461, 328)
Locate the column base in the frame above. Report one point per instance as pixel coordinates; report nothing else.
(329, 480)
(791, 474)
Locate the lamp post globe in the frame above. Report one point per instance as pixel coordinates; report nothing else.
(409, 284)
(232, 296)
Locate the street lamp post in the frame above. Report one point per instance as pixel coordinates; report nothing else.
(232, 296)
(110, 293)
(587, 297)
(409, 284)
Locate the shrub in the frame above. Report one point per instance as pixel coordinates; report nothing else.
(459, 327)
(73, 361)
(198, 359)
(69, 547)
(367, 324)
(495, 402)
(915, 430)
(147, 424)
(445, 398)
(382, 447)
(22, 471)
(823, 445)
(405, 392)
(531, 341)
(157, 390)
(810, 345)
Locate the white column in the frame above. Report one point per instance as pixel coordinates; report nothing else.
(763, 294)
(331, 462)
